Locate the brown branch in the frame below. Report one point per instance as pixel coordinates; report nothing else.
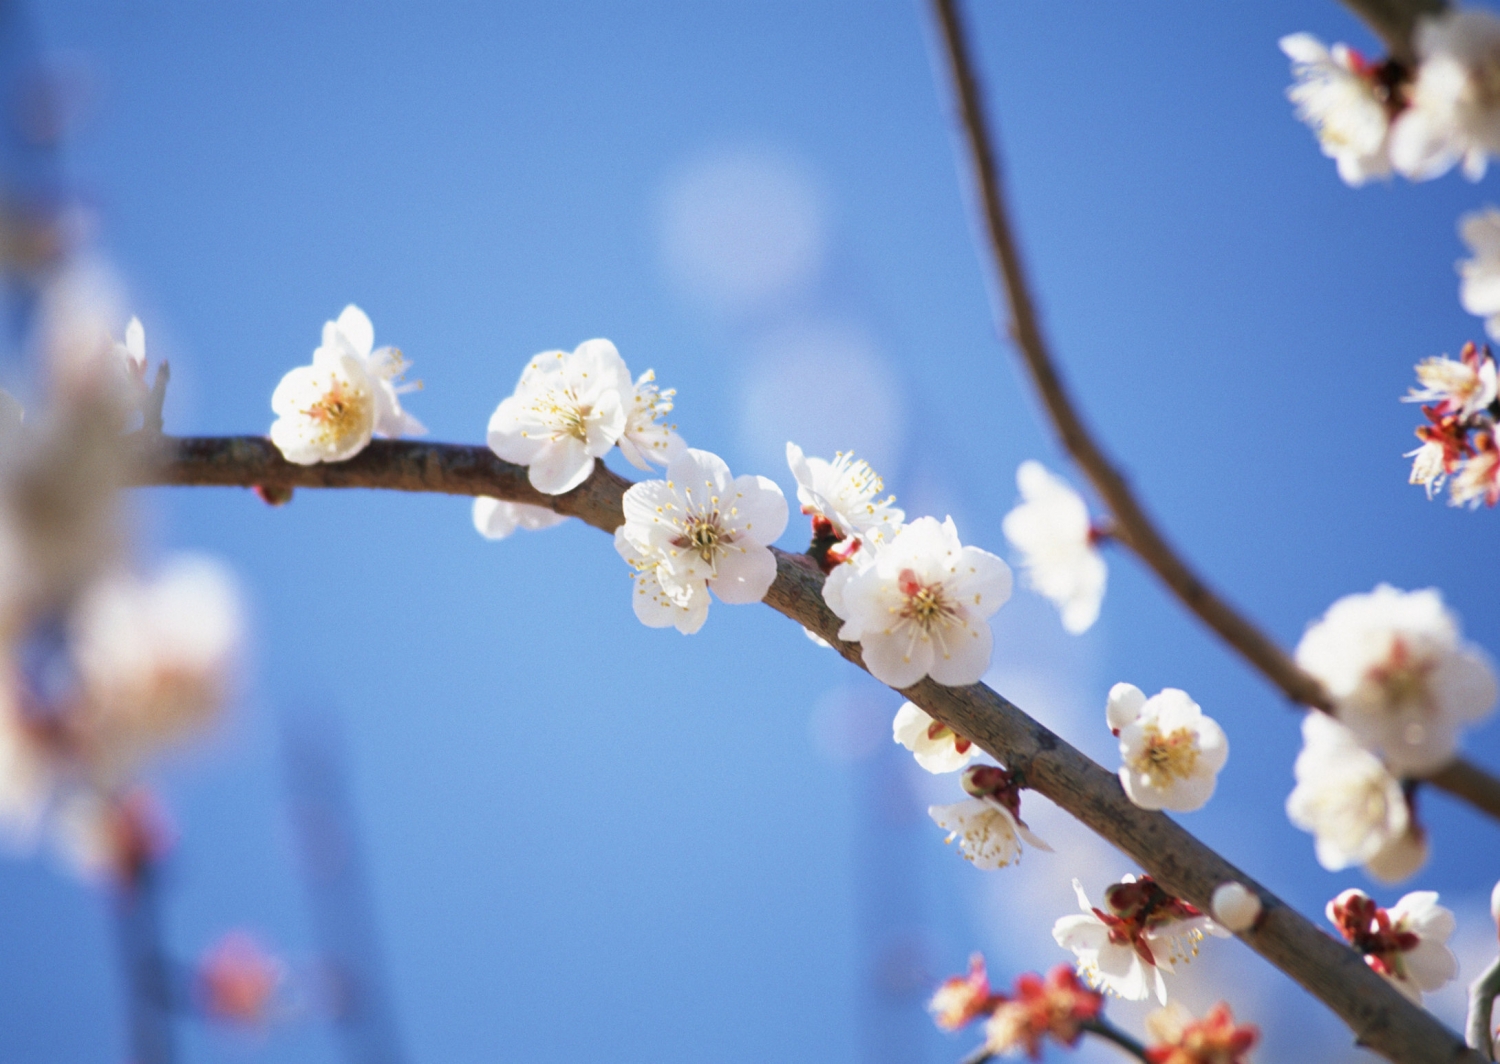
(1131, 525)
(1382, 1019)
(1394, 20)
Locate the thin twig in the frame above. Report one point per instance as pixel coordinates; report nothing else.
(1394, 20)
(150, 997)
(1131, 524)
(1102, 1028)
(1482, 994)
(1381, 1018)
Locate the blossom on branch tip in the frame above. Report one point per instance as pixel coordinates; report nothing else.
(498, 518)
(1463, 386)
(1479, 291)
(568, 409)
(937, 747)
(328, 411)
(1037, 1009)
(1407, 943)
(1215, 1039)
(1453, 112)
(1171, 752)
(700, 528)
(962, 999)
(647, 438)
(987, 825)
(1344, 796)
(1235, 907)
(919, 605)
(1057, 541)
(1145, 932)
(843, 499)
(1399, 674)
(1347, 102)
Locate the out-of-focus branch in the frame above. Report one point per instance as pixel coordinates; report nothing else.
(1482, 994)
(1132, 526)
(1382, 1019)
(1102, 1028)
(1394, 20)
(150, 996)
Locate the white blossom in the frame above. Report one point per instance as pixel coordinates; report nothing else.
(937, 747)
(1172, 753)
(1051, 529)
(1399, 675)
(1401, 857)
(1453, 112)
(845, 493)
(988, 833)
(700, 528)
(1479, 291)
(919, 604)
(1337, 95)
(498, 518)
(1235, 907)
(1495, 904)
(568, 409)
(647, 438)
(1406, 943)
(1344, 796)
(328, 411)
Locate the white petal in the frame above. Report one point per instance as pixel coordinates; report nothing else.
(963, 656)
(744, 576)
(895, 660)
(355, 325)
(559, 466)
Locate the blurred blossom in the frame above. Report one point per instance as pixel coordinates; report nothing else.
(1452, 114)
(238, 978)
(1345, 100)
(1215, 1039)
(498, 518)
(1057, 541)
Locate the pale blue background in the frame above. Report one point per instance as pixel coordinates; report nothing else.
(587, 838)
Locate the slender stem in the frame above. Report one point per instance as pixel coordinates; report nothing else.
(1110, 1033)
(1131, 525)
(148, 976)
(1482, 994)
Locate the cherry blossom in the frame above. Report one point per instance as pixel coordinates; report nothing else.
(1235, 907)
(1344, 796)
(647, 438)
(962, 999)
(1480, 289)
(1036, 1009)
(919, 605)
(237, 979)
(1346, 101)
(843, 499)
(328, 411)
(1462, 386)
(1445, 446)
(1215, 1039)
(1453, 112)
(498, 518)
(1477, 478)
(1051, 529)
(937, 747)
(700, 528)
(1145, 932)
(1399, 675)
(1172, 753)
(568, 409)
(1407, 943)
(988, 825)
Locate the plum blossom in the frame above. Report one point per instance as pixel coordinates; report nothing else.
(1407, 943)
(988, 825)
(1462, 386)
(1445, 446)
(1399, 675)
(647, 438)
(568, 409)
(1215, 1039)
(1453, 112)
(1145, 932)
(1353, 807)
(962, 999)
(700, 528)
(1480, 289)
(1172, 753)
(328, 411)
(843, 499)
(919, 605)
(1346, 101)
(1035, 1010)
(1235, 907)
(498, 518)
(1057, 541)
(937, 747)
(237, 979)
(1477, 478)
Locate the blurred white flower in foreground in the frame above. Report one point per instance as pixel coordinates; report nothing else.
(1463, 386)
(700, 528)
(1172, 753)
(568, 409)
(1453, 112)
(1399, 675)
(647, 437)
(1338, 95)
(1354, 808)
(937, 747)
(987, 825)
(498, 518)
(919, 605)
(328, 411)
(1235, 907)
(843, 499)
(1408, 944)
(1479, 291)
(1051, 529)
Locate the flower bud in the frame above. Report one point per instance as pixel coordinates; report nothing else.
(1235, 907)
(985, 781)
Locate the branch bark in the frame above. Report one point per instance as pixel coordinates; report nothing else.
(1394, 20)
(1381, 1018)
(1132, 526)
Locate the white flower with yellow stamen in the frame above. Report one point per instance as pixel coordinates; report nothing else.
(988, 834)
(919, 605)
(700, 528)
(647, 438)
(845, 493)
(1338, 95)
(567, 410)
(1172, 753)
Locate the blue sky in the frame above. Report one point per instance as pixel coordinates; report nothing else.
(584, 836)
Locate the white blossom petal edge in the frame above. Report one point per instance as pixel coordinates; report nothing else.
(987, 833)
(1052, 530)
(1172, 752)
(498, 518)
(937, 747)
(1337, 95)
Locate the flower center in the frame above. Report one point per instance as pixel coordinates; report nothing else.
(1403, 679)
(1168, 757)
(704, 536)
(926, 606)
(338, 411)
(560, 409)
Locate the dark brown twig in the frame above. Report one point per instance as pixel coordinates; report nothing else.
(1394, 20)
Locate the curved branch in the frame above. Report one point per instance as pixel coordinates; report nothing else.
(1132, 526)
(1382, 1019)
(1394, 20)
